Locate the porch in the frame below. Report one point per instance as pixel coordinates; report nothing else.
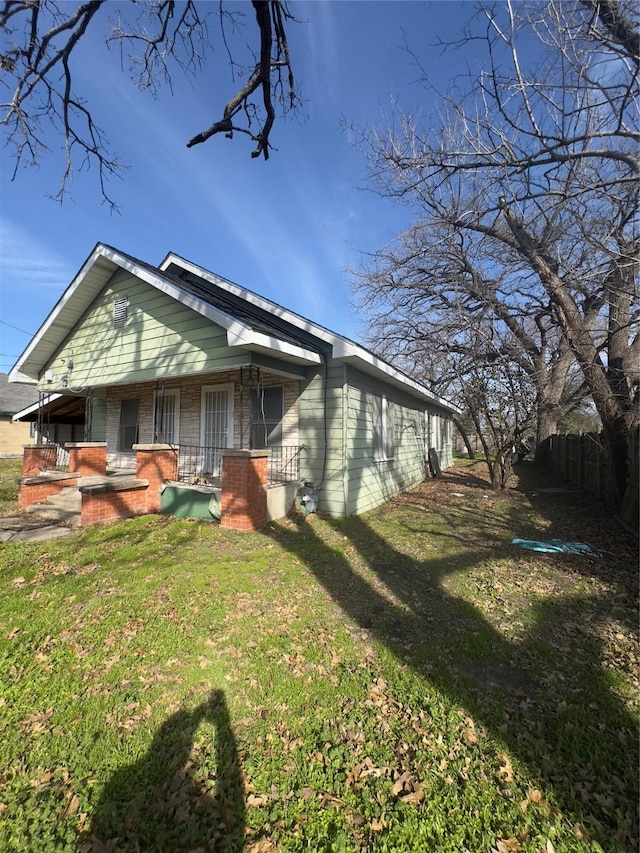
(243, 489)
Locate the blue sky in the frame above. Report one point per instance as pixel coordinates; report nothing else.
(288, 228)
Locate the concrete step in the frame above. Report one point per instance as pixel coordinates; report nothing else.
(64, 507)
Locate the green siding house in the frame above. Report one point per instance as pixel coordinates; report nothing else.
(175, 354)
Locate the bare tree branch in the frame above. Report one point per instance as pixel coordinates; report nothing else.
(38, 51)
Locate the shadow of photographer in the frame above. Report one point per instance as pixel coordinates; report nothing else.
(169, 801)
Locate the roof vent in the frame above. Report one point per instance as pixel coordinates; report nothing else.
(120, 311)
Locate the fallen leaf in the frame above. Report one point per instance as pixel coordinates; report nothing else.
(377, 825)
(264, 845)
(506, 769)
(414, 798)
(505, 845)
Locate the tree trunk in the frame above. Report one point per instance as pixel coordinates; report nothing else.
(465, 438)
(547, 425)
(616, 446)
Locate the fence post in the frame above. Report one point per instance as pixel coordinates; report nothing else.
(580, 460)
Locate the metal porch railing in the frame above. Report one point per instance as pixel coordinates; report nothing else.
(202, 466)
(284, 464)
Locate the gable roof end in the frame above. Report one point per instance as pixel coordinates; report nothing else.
(92, 278)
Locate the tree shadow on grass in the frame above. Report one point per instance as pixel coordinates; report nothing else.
(543, 690)
(164, 803)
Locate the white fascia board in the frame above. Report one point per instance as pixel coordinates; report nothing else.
(248, 339)
(238, 333)
(16, 374)
(252, 298)
(343, 348)
(352, 352)
(48, 344)
(35, 406)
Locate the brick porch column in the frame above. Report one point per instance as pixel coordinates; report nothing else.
(88, 458)
(37, 457)
(156, 463)
(244, 489)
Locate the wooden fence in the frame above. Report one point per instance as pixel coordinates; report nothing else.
(581, 460)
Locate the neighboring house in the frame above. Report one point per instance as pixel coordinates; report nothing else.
(175, 354)
(13, 436)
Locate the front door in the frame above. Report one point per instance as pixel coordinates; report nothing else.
(216, 426)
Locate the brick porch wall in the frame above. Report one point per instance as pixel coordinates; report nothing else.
(156, 463)
(37, 457)
(88, 458)
(244, 489)
(41, 489)
(99, 507)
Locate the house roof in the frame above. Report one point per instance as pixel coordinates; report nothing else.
(251, 321)
(14, 397)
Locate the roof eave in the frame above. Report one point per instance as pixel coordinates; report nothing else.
(369, 363)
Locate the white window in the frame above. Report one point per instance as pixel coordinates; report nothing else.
(383, 425)
(166, 417)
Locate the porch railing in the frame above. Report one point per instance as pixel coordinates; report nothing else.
(199, 465)
(203, 465)
(284, 464)
(55, 458)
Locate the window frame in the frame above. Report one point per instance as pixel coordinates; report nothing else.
(229, 388)
(162, 395)
(384, 449)
(119, 444)
(256, 422)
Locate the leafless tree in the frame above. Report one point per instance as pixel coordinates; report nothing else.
(532, 165)
(156, 37)
(411, 290)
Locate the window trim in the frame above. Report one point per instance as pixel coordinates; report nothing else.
(119, 447)
(384, 446)
(162, 395)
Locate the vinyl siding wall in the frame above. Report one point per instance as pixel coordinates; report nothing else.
(161, 338)
(328, 477)
(371, 482)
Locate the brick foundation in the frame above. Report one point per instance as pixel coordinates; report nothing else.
(88, 458)
(156, 463)
(244, 489)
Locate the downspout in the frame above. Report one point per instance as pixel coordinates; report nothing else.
(241, 408)
(345, 436)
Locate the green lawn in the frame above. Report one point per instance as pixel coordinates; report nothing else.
(402, 681)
